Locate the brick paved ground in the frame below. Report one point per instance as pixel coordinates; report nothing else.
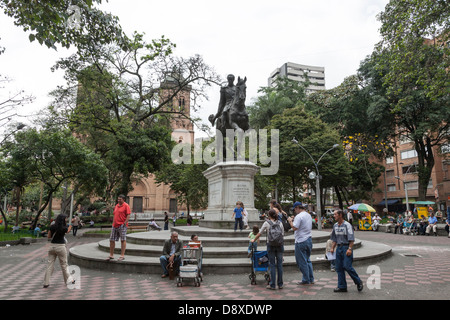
(419, 268)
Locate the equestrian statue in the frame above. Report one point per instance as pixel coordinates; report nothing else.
(231, 113)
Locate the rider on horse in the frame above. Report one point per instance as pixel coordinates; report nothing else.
(226, 100)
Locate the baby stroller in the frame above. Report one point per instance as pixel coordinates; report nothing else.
(260, 264)
(191, 264)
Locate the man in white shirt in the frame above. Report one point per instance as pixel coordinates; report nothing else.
(302, 225)
(376, 222)
(350, 218)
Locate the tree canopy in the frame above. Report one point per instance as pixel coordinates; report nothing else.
(75, 22)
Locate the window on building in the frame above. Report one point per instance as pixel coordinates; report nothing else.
(409, 169)
(181, 104)
(407, 154)
(390, 173)
(412, 185)
(389, 160)
(391, 187)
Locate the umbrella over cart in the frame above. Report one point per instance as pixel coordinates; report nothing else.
(365, 223)
(362, 207)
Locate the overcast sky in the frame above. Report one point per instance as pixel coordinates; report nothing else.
(242, 37)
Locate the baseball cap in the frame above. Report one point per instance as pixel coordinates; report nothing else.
(296, 204)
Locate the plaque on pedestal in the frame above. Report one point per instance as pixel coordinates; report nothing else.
(229, 182)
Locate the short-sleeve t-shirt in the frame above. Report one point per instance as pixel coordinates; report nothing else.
(120, 214)
(343, 233)
(238, 212)
(58, 236)
(303, 224)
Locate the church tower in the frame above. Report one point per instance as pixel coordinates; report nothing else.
(151, 198)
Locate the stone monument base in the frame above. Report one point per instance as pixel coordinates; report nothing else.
(228, 183)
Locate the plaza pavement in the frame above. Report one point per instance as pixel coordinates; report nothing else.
(418, 269)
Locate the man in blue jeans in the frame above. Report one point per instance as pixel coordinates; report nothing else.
(302, 225)
(343, 238)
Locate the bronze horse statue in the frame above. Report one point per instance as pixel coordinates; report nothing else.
(236, 118)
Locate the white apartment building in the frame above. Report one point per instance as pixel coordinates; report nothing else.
(298, 72)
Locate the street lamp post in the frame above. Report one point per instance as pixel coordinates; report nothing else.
(405, 185)
(317, 177)
(406, 191)
(71, 205)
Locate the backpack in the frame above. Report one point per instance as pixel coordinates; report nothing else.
(275, 234)
(285, 223)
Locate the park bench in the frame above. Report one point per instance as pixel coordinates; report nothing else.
(137, 227)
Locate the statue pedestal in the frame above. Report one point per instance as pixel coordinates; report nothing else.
(229, 182)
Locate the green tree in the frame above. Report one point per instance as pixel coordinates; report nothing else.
(415, 51)
(63, 22)
(316, 137)
(286, 93)
(53, 158)
(412, 61)
(121, 101)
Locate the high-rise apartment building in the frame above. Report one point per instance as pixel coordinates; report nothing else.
(300, 73)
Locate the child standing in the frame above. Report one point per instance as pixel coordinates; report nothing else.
(238, 214)
(252, 236)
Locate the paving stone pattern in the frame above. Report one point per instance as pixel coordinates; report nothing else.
(419, 268)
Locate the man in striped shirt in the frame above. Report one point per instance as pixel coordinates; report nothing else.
(343, 238)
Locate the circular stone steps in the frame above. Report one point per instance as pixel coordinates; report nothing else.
(224, 251)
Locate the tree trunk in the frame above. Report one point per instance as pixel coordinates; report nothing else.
(338, 194)
(426, 163)
(41, 209)
(4, 219)
(17, 205)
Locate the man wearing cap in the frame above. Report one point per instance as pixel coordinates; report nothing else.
(302, 225)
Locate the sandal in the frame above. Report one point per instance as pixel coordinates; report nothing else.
(121, 259)
(109, 258)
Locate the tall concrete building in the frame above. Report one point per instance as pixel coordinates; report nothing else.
(299, 72)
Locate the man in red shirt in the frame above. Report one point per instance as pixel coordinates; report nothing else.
(119, 229)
